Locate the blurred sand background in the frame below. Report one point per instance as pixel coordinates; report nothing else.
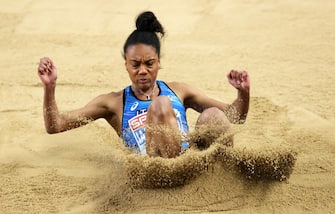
(288, 47)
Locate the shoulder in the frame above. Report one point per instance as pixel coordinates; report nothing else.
(177, 85)
(111, 95)
(111, 101)
(181, 89)
(181, 86)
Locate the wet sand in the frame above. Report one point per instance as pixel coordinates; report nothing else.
(287, 47)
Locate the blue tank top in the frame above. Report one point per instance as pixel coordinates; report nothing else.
(135, 115)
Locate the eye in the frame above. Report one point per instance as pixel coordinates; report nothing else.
(150, 63)
(135, 65)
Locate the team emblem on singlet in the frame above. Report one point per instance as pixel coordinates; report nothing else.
(137, 127)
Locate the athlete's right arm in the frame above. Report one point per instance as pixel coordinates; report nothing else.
(56, 122)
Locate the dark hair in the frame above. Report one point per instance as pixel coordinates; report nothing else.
(147, 28)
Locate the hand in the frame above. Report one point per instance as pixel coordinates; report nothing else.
(239, 79)
(47, 71)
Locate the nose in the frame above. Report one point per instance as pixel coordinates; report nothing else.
(143, 69)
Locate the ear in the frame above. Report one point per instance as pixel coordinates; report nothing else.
(159, 63)
(125, 64)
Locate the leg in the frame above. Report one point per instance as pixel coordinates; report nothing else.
(162, 133)
(211, 124)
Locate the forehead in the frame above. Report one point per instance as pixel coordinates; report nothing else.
(141, 51)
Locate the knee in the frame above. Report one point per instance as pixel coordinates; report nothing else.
(212, 116)
(213, 119)
(161, 107)
(211, 124)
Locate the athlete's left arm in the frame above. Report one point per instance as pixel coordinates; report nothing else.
(241, 81)
(236, 112)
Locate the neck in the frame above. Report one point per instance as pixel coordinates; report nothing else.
(148, 95)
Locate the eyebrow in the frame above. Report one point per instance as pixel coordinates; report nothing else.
(147, 60)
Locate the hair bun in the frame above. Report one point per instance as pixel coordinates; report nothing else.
(147, 21)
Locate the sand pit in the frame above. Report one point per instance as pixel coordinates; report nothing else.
(274, 164)
(145, 172)
(286, 46)
(266, 164)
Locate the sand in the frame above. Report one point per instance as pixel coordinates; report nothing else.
(286, 46)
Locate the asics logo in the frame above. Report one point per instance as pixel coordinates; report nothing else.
(134, 106)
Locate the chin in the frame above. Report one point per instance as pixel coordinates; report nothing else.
(146, 83)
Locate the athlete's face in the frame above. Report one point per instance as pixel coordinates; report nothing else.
(142, 64)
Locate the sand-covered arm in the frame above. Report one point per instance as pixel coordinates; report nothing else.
(56, 122)
(241, 81)
(236, 112)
